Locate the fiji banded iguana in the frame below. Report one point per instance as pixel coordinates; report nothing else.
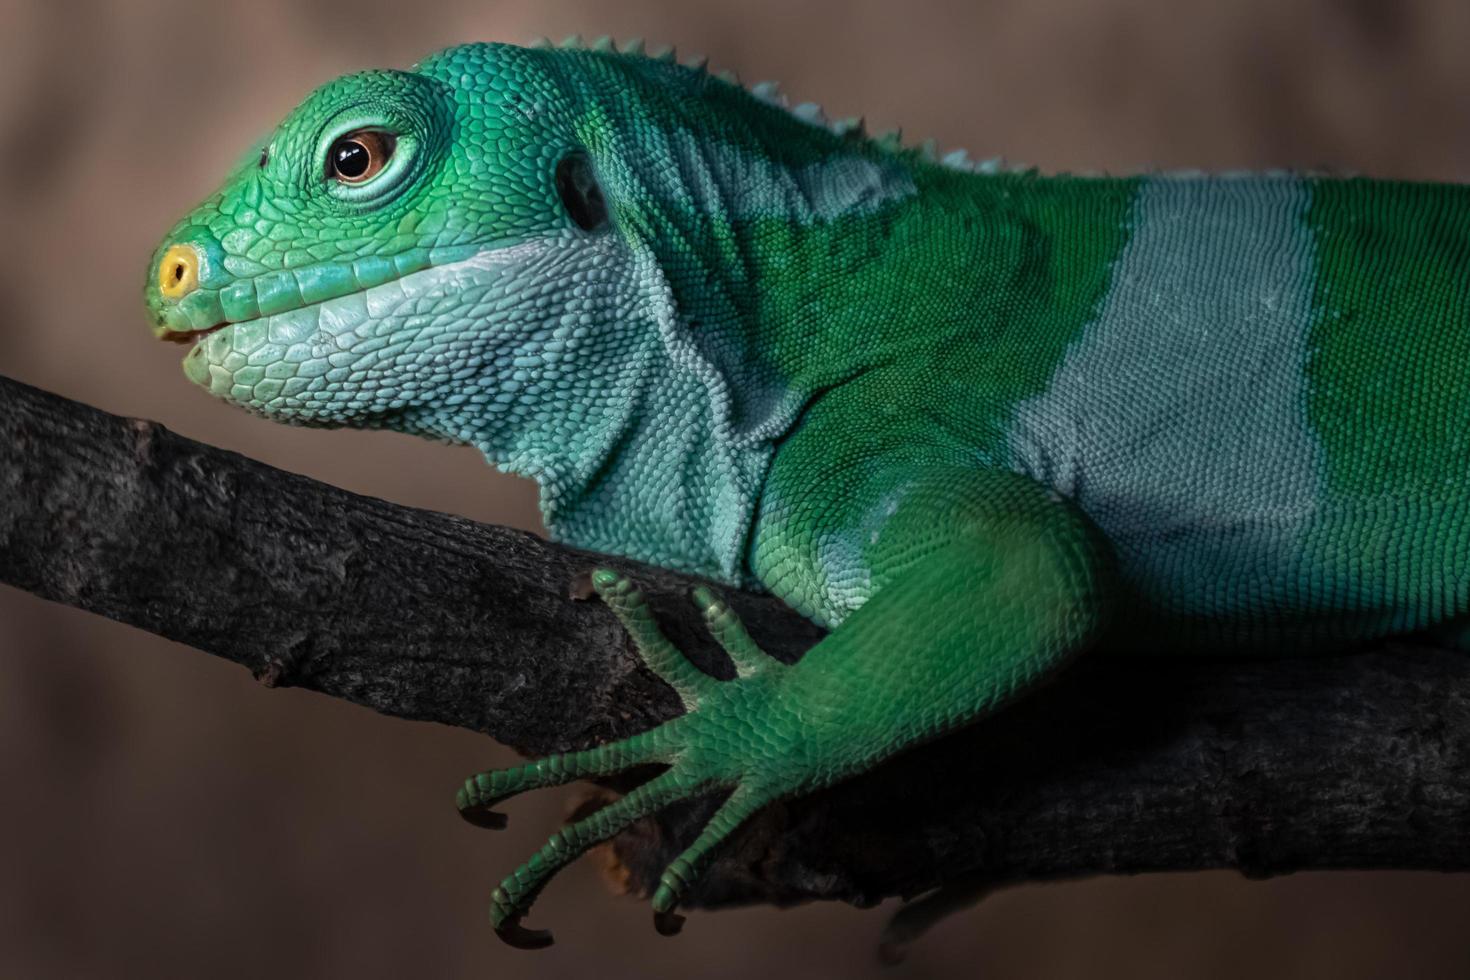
(961, 415)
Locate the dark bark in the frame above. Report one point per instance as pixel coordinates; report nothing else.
(1123, 765)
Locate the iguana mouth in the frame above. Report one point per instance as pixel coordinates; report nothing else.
(177, 336)
(190, 336)
(333, 281)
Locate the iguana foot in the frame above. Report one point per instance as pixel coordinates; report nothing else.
(735, 735)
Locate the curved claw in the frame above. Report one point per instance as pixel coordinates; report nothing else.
(918, 916)
(486, 819)
(580, 588)
(668, 923)
(512, 933)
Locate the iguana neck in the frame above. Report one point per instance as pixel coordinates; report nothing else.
(673, 480)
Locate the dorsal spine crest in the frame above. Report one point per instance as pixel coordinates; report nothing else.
(769, 92)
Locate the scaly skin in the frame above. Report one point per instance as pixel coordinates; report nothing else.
(963, 416)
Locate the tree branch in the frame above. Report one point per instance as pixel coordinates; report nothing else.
(1122, 765)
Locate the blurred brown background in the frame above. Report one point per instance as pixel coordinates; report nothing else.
(166, 817)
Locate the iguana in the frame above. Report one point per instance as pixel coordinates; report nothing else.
(962, 415)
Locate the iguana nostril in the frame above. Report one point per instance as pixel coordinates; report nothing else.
(178, 271)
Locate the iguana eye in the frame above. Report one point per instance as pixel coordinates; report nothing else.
(359, 157)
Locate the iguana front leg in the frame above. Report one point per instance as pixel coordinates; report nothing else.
(983, 584)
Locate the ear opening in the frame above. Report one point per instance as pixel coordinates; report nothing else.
(580, 193)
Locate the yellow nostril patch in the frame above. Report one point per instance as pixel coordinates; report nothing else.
(178, 272)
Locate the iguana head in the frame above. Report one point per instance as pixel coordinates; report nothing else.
(415, 249)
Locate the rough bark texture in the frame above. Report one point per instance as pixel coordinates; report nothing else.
(1123, 765)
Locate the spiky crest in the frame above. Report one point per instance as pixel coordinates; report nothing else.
(769, 92)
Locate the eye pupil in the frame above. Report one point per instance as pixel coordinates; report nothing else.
(350, 159)
(359, 156)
